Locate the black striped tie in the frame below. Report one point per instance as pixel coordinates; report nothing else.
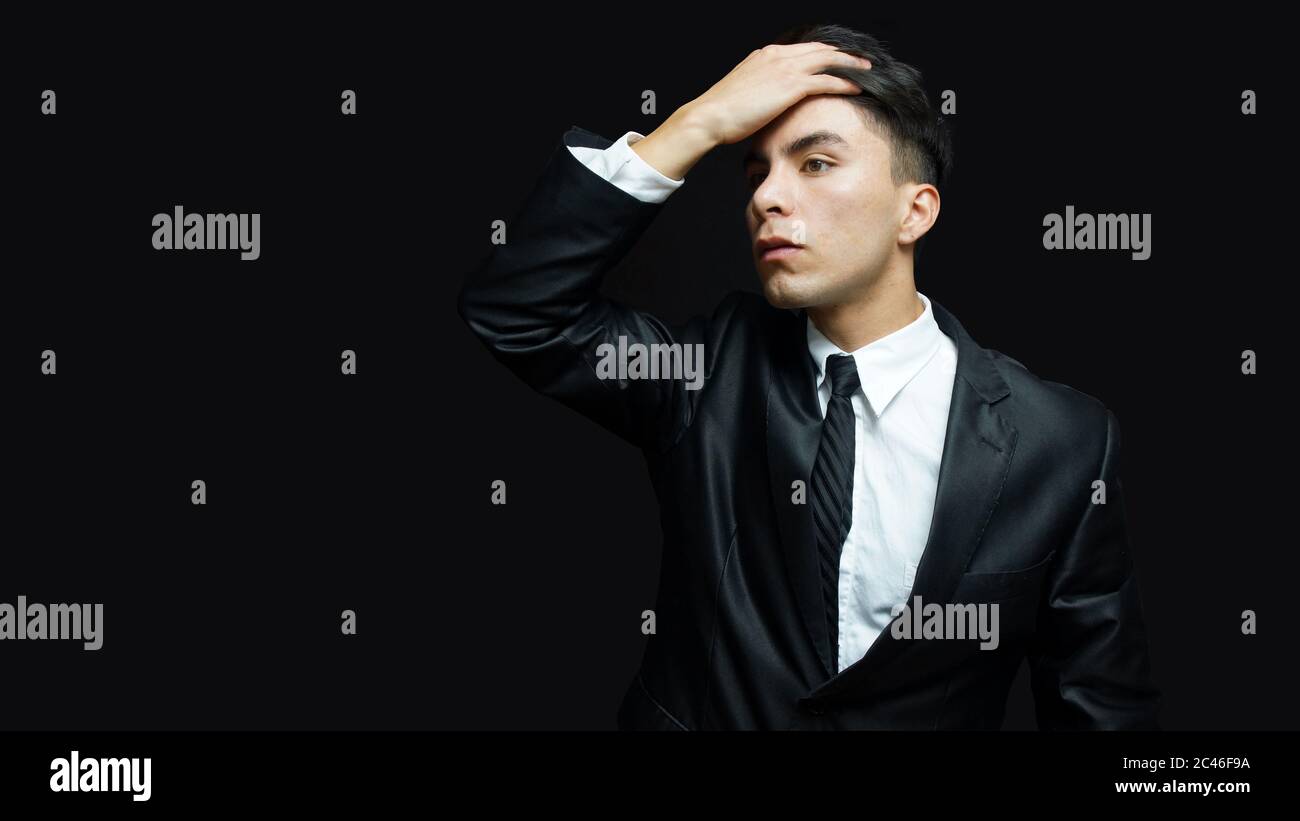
(832, 486)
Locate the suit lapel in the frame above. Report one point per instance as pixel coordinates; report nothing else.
(794, 423)
(978, 447)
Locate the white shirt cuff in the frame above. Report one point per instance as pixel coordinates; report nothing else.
(623, 167)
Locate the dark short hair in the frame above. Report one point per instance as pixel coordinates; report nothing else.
(892, 98)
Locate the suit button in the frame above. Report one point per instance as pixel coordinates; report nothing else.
(814, 707)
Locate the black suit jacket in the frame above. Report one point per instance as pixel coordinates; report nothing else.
(740, 641)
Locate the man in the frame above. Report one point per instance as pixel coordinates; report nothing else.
(850, 450)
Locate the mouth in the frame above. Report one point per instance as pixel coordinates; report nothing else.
(780, 252)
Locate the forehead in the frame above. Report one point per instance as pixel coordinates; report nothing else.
(822, 112)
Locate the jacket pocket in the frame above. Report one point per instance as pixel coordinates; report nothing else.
(999, 585)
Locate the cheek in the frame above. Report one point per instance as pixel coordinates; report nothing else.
(858, 219)
(847, 226)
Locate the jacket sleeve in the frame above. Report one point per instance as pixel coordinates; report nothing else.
(1088, 661)
(535, 302)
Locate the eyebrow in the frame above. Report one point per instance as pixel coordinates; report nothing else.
(816, 138)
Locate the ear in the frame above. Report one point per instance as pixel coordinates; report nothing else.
(922, 212)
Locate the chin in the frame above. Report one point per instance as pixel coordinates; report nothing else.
(783, 289)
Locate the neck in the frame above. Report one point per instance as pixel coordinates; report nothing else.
(890, 303)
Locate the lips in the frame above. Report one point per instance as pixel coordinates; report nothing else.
(768, 243)
(775, 247)
(780, 251)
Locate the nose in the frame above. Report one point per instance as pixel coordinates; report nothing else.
(772, 198)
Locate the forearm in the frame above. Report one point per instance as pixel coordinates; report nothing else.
(572, 228)
(677, 145)
(535, 301)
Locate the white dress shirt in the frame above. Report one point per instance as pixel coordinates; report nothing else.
(901, 413)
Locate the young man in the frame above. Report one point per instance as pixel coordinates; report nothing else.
(849, 450)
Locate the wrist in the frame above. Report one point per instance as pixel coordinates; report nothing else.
(676, 145)
(692, 123)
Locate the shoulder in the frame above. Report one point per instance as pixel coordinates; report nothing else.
(1054, 414)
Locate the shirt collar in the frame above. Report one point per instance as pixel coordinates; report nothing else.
(887, 364)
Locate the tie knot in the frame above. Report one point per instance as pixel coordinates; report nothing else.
(843, 373)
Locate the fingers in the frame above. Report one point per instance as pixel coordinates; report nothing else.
(826, 84)
(810, 57)
(791, 50)
(798, 49)
(834, 57)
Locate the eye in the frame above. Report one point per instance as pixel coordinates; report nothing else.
(756, 178)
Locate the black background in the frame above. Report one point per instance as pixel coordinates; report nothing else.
(372, 492)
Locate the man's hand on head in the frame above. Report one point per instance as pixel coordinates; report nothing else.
(755, 92)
